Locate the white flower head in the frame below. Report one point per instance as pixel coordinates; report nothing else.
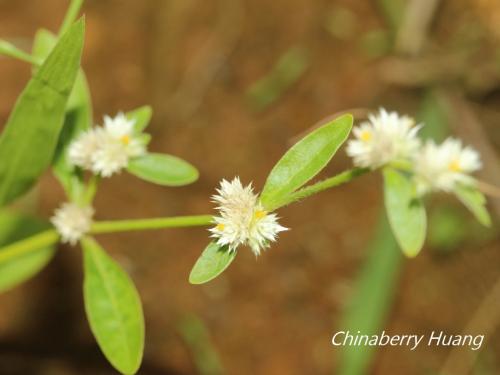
(72, 221)
(107, 150)
(243, 220)
(386, 137)
(121, 129)
(442, 167)
(82, 149)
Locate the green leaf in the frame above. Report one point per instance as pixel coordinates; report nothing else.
(163, 170)
(305, 159)
(43, 44)
(475, 201)
(113, 309)
(30, 137)
(17, 267)
(78, 118)
(405, 211)
(141, 116)
(213, 261)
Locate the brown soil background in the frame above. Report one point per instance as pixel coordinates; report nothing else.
(193, 60)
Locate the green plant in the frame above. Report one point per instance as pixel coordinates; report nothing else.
(51, 127)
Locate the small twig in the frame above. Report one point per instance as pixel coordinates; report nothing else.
(209, 59)
(424, 71)
(488, 189)
(413, 31)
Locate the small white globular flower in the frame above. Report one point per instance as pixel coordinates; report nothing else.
(72, 221)
(107, 150)
(82, 150)
(385, 138)
(117, 146)
(243, 220)
(121, 129)
(442, 167)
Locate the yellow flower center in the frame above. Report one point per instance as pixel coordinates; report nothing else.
(220, 227)
(125, 139)
(366, 136)
(259, 214)
(454, 166)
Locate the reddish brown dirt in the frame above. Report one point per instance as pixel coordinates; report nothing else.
(274, 315)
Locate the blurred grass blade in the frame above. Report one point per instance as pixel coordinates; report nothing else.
(375, 43)
(113, 309)
(475, 201)
(305, 159)
(213, 261)
(163, 169)
(393, 11)
(433, 114)
(284, 74)
(17, 267)
(448, 228)
(372, 300)
(8, 49)
(141, 116)
(405, 211)
(197, 338)
(30, 137)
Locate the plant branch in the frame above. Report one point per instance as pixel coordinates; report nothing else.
(51, 237)
(38, 241)
(91, 189)
(320, 186)
(10, 50)
(157, 223)
(71, 14)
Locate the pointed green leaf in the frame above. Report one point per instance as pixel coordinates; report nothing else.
(78, 118)
(113, 309)
(18, 266)
(163, 169)
(305, 159)
(213, 261)
(405, 211)
(475, 201)
(30, 137)
(141, 116)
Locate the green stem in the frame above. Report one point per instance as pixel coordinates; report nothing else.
(158, 223)
(51, 237)
(91, 190)
(8, 49)
(318, 187)
(71, 14)
(38, 241)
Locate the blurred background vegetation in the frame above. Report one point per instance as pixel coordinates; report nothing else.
(232, 83)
